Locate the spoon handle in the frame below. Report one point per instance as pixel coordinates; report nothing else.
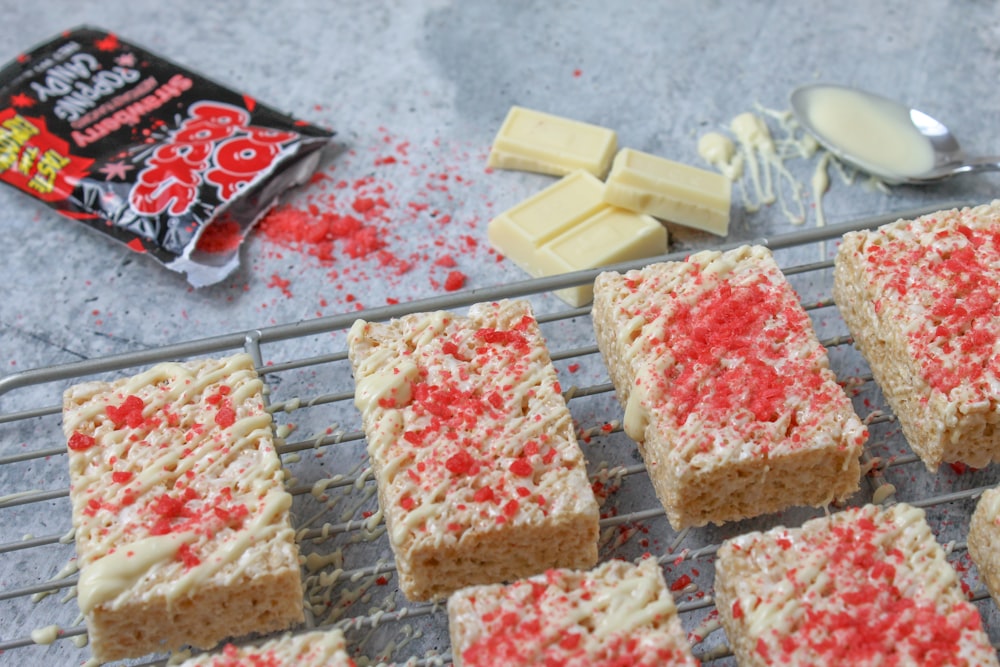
(976, 164)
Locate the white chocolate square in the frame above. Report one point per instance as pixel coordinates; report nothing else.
(534, 141)
(670, 191)
(568, 227)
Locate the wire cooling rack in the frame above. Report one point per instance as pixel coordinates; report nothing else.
(348, 569)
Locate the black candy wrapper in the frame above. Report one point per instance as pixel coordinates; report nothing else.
(164, 160)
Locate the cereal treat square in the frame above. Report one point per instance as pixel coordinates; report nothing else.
(182, 525)
(309, 649)
(616, 614)
(984, 540)
(922, 301)
(725, 387)
(863, 587)
(480, 477)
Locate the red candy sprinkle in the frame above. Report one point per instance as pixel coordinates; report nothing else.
(446, 261)
(510, 509)
(455, 281)
(187, 556)
(460, 463)
(681, 583)
(483, 495)
(128, 413)
(225, 417)
(216, 398)
(522, 468)
(79, 442)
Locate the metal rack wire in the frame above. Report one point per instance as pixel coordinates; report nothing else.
(348, 566)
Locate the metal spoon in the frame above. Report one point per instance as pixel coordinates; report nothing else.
(945, 159)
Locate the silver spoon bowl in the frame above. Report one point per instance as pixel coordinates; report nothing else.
(949, 158)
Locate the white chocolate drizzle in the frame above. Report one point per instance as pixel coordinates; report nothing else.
(761, 158)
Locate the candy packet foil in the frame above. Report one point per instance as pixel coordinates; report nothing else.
(146, 151)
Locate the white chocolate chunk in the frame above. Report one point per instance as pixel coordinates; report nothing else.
(568, 227)
(534, 141)
(521, 230)
(670, 191)
(613, 235)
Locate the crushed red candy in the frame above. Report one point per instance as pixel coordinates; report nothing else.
(460, 463)
(79, 442)
(129, 413)
(455, 281)
(121, 477)
(483, 495)
(680, 583)
(187, 556)
(226, 416)
(510, 509)
(522, 467)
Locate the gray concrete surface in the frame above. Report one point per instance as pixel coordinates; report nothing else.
(427, 85)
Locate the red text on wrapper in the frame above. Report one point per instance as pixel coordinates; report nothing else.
(215, 144)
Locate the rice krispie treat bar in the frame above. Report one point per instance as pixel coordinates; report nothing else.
(180, 513)
(726, 388)
(984, 540)
(863, 587)
(480, 477)
(309, 649)
(616, 614)
(922, 301)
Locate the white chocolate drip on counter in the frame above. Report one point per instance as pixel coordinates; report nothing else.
(758, 146)
(758, 165)
(45, 635)
(67, 570)
(757, 149)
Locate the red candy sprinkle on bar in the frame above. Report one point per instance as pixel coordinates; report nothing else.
(79, 442)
